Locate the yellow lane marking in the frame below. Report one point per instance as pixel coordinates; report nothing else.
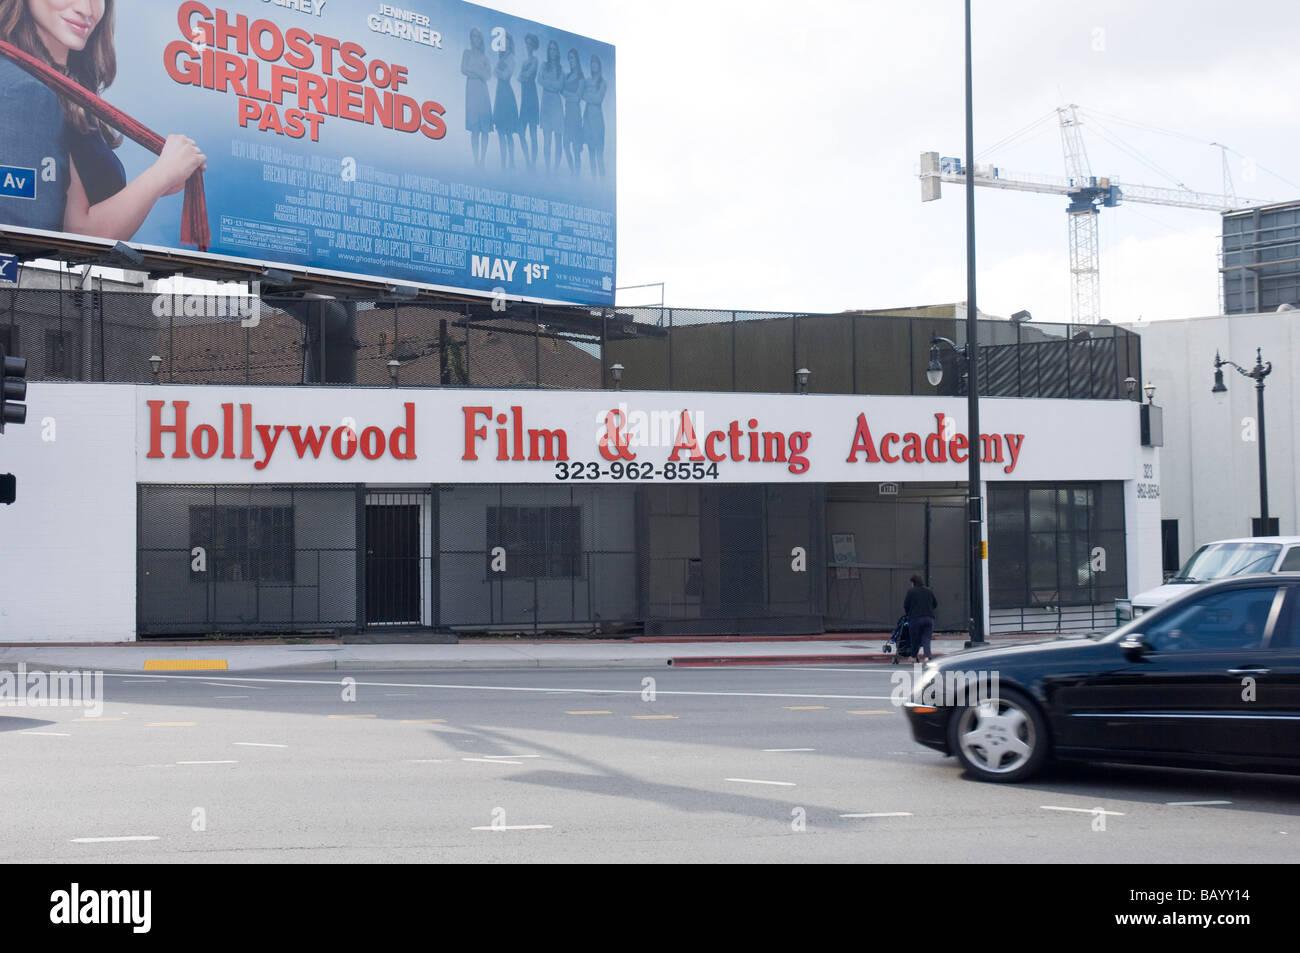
(352, 716)
(645, 717)
(805, 707)
(873, 711)
(98, 719)
(594, 712)
(424, 721)
(185, 665)
(171, 724)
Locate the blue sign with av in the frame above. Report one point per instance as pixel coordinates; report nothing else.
(8, 270)
(17, 183)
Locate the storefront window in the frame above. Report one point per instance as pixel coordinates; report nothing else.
(540, 541)
(1055, 544)
(243, 543)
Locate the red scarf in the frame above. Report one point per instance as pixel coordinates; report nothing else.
(194, 213)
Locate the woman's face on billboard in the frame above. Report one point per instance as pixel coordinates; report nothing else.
(65, 25)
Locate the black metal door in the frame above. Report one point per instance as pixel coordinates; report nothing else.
(741, 531)
(393, 564)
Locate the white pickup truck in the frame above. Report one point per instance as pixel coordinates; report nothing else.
(1226, 557)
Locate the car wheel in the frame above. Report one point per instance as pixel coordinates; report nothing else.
(1003, 739)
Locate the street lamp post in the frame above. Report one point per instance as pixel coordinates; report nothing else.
(969, 353)
(1257, 373)
(974, 504)
(934, 374)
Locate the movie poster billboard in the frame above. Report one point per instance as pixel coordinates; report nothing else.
(435, 143)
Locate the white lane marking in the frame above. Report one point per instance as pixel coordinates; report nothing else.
(548, 691)
(789, 749)
(207, 762)
(224, 684)
(491, 761)
(111, 840)
(881, 814)
(515, 827)
(259, 744)
(48, 734)
(230, 696)
(784, 784)
(1081, 810)
(1195, 803)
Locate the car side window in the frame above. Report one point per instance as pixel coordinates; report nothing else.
(1224, 621)
(1291, 561)
(1286, 635)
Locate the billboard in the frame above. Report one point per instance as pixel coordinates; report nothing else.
(437, 143)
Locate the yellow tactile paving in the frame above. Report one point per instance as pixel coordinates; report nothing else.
(185, 665)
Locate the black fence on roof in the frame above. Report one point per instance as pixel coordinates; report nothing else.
(127, 337)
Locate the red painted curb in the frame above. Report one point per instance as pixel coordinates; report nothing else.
(857, 636)
(699, 661)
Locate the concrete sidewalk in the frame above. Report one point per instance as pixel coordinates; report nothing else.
(158, 658)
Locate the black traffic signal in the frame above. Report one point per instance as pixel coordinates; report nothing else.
(8, 488)
(13, 390)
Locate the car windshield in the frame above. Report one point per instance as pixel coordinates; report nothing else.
(1228, 559)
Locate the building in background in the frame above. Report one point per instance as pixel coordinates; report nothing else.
(1260, 268)
(1209, 486)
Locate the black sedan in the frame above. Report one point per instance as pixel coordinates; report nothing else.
(1209, 680)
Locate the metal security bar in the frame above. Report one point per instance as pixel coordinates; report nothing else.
(654, 559)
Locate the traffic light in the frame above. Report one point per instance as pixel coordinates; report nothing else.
(13, 390)
(8, 488)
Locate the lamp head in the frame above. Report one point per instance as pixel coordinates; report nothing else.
(1130, 385)
(616, 371)
(802, 376)
(393, 367)
(934, 372)
(1150, 390)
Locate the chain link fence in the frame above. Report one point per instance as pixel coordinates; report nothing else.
(186, 339)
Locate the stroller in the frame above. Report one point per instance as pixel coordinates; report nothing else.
(900, 643)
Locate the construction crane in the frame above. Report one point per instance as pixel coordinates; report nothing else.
(1088, 195)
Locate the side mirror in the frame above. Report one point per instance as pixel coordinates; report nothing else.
(1135, 647)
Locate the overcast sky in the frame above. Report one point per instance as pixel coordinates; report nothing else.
(767, 151)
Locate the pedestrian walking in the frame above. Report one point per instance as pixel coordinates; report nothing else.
(919, 606)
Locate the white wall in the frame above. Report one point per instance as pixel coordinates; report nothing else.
(67, 546)
(1210, 473)
(1142, 515)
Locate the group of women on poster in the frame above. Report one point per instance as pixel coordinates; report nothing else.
(566, 118)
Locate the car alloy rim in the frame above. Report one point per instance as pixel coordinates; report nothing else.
(997, 736)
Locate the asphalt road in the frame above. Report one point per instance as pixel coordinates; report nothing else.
(765, 764)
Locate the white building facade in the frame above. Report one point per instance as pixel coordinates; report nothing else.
(1210, 457)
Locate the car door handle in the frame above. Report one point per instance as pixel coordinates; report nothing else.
(1248, 671)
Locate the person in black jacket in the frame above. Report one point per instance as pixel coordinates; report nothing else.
(919, 606)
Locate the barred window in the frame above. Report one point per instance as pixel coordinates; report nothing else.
(540, 541)
(244, 543)
(1056, 544)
